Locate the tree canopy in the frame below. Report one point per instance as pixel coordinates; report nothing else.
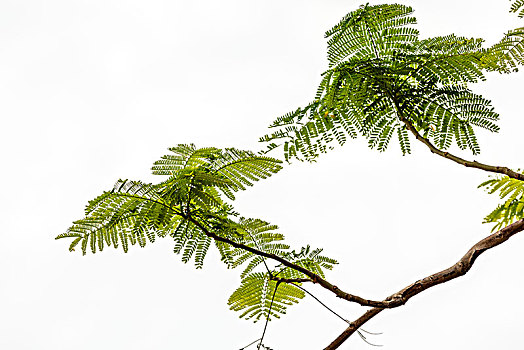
(382, 80)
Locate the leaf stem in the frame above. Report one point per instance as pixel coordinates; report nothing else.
(268, 313)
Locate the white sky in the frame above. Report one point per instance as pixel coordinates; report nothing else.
(93, 91)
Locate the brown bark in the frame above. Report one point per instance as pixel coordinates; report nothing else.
(457, 270)
(314, 277)
(394, 300)
(472, 164)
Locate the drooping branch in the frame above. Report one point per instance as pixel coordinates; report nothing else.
(457, 270)
(466, 163)
(313, 276)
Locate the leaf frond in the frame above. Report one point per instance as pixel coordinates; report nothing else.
(518, 7)
(512, 192)
(253, 297)
(381, 75)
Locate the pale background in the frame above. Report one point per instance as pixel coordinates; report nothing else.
(93, 91)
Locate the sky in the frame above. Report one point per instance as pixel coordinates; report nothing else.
(94, 91)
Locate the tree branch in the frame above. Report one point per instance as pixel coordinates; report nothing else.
(290, 280)
(466, 163)
(457, 270)
(314, 277)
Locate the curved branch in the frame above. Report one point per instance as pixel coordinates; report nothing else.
(466, 163)
(457, 270)
(313, 276)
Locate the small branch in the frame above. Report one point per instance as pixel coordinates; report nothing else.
(363, 337)
(321, 303)
(466, 163)
(457, 270)
(248, 345)
(268, 314)
(340, 317)
(290, 280)
(313, 276)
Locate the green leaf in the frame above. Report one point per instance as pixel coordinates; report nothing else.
(135, 213)
(512, 209)
(259, 235)
(227, 170)
(506, 55)
(371, 32)
(259, 298)
(382, 76)
(518, 6)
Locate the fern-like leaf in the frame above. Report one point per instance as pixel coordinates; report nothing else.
(371, 32)
(309, 259)
(506, 55)
(259, 235)
(382, 76)
(129, 214)
(136, 213)
(254, 296)
(518, 7)
(512, 191)
(227, 170)
(258, 297)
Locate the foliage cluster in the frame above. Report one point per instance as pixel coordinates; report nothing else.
(382, 80)
(189, 208)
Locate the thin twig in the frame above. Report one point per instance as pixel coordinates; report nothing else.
(363, 330)
(248, 345)
(321, 303)
(342, 318)
(367, 341)
(268, 313)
